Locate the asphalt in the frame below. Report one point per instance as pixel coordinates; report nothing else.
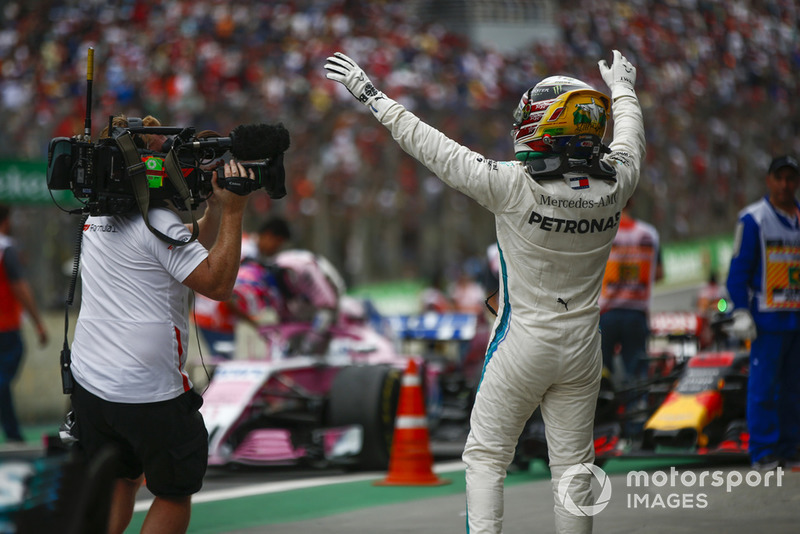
(693, 497)
(684, 507)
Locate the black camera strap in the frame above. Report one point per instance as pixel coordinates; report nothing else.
(67, 383)
(135, 170)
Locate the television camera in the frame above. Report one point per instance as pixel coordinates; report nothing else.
(102, 174)
(119, 174)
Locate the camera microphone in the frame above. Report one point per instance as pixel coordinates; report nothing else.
(247, 142)
(251, 142)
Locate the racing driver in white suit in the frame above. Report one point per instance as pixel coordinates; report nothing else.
(557, 209)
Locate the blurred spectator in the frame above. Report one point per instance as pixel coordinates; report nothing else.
(217, 320)
(709, 295)
(216, 324)
(633, 266)
(16, 297)
(434, 298)
(271, 238)
(711, 300)
(713, 76)
(467, 295)
(299, 287)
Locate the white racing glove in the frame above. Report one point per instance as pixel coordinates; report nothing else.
(743, 326)
(344, 70)
(620, 77)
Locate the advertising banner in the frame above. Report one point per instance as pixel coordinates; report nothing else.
(25, 182)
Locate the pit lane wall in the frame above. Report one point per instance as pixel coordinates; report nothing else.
(38, 393)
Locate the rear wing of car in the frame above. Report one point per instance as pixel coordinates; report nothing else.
(434, 326)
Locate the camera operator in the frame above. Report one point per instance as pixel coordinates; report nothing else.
(131, 389)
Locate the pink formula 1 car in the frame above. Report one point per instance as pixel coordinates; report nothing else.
(287, 408)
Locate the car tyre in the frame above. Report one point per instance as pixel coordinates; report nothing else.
(367, 396)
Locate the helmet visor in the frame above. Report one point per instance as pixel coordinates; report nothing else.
(537, 99)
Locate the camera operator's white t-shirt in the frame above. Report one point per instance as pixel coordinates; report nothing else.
(132, 337)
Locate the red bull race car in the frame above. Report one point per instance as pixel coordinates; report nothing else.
(693, 402)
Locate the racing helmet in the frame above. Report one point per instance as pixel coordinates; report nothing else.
(553, 111)
(259, 286)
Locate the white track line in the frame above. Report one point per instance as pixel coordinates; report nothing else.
(288, 485)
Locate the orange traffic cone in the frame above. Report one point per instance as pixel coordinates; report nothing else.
(411, 461)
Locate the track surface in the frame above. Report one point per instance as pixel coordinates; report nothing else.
(338, 506)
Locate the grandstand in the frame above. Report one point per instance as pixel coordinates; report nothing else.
(717, 79)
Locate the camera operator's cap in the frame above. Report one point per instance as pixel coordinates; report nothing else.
(783, 161)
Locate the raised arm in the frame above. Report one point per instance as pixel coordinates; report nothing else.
(456, 165)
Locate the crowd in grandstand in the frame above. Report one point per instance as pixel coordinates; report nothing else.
(717, 79)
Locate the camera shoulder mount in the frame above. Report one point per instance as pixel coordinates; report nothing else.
(141, 192)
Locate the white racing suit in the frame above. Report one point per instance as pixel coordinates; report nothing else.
(554, 238)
